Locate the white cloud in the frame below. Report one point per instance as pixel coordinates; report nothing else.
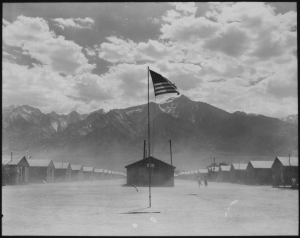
(185, 7)
(171, 16)
(26, 29)
(154, 20)
(132, 82)
(93, 87)
(74, 22)
(35, 38)
(4, 22)
(118, 50)
(237, 56)
(38, 86)
(90, 52)
(245, 52)
(154, 50)
(284, 83)
(42, 87)
(266, 31)
(86, 20)
(122, 51)
(189, 28)
(233, 42)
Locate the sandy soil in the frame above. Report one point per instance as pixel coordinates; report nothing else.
(100, 208)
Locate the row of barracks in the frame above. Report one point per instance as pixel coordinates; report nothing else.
(277, 172)
(20, 170)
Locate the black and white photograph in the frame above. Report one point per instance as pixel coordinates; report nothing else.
(149, 119)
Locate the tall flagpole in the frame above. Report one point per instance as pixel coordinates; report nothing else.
(149, 144)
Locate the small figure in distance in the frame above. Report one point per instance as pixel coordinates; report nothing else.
(205, 182)
(293, 182)
(273, 181)
(199, 182)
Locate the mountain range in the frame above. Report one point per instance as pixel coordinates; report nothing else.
(113, 139)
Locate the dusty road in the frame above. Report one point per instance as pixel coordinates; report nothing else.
(100, 208)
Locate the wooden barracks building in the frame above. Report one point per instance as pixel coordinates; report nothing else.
(284, 168)
(15, 170)
(41, 170)
(62, 171)
(162, 174)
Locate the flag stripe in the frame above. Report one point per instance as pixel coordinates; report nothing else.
(162, 85)
(159, 93)
(166, 90)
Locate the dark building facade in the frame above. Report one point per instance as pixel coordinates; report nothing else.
(62, 172)
(238, 173)
(224, 174)
(162, 174)
(213, 173)
(98, 174)
(203, 173)
(88, 173)
(283, 169)
(15, 171)
(41, 170)
(76, 172)
(105, 174)
(109, 174)
(259, 172)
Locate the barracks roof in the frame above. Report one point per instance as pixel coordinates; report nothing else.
(151, 158)
(15, 161)
(261, 164)
(59, 165)
(286, 161)
(88, 169)
(40, 162)
(76, 167)
(225, 168)
(238, 166)
(203, 171)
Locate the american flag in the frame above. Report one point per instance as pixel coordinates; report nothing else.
(162, 85)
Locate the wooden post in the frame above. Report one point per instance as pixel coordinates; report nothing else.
(149, 161)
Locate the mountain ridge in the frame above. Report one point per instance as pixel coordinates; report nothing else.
(117, 135)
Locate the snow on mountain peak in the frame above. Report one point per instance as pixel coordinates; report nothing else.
(102, 111)
(168, 100)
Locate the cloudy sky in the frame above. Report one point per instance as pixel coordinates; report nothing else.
(86, 56)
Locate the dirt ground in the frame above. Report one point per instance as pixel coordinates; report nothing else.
(101, 209)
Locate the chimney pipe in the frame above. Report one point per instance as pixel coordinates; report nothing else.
(171, 151)
(144, 149)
